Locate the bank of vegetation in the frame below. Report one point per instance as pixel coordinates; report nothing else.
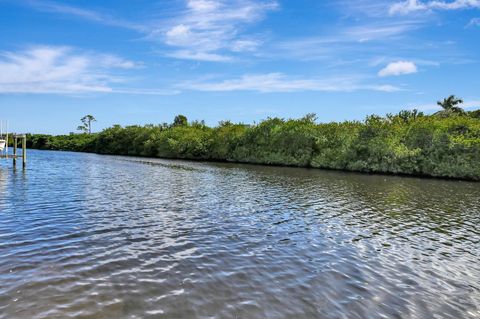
(445, 144)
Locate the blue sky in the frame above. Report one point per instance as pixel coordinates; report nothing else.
(139, 62)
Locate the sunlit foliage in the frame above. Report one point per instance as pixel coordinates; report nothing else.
(406, 143)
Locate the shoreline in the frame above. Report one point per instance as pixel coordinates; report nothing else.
(206, 161)
(407, 144)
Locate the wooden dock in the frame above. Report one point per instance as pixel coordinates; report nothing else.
(15, 156)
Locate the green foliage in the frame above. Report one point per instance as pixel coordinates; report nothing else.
(187, 142)
(474, 114)
(334, 145)
(405, 116)
(225, 139)
(72, 142)
(407, 143)
(82, 128)
(180, 120)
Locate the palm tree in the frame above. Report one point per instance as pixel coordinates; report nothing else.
(449, 105)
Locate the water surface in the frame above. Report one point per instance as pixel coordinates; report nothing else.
(89, 236)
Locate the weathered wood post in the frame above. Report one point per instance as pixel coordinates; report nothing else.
(15, 140)
(24, 151)
(6, 146)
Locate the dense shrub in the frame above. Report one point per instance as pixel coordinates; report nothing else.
(407, 143)
(72, 142)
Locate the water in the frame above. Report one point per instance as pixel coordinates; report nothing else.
(88, 236)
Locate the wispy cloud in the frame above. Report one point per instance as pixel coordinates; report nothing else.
(349, 43)
(204, 30)
(278, 82)
(373, 31)
(199, 56)
(54, 7)
(409, 6)
(398, 68)
(475, 22)
(358, 8)
(211, 30)
(379, 31)
(63, 70)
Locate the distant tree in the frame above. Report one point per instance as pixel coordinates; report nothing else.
(450, 106)
(198, 124)
(82, 129)
(310, 118)
(225, 123)
(180, 120)
(86, 126)
(407, 115)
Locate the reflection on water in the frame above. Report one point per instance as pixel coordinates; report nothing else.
(88, 236)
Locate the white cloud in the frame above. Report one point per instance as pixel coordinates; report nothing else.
(206, 30)
(113, 61)
(51, 6)
(203, 5)
(46, 69)
(369, 8)
(178, 35)
(211, 29)
(379, 31)
(245, 45)
(199, 56)
(278, 82)
(475, 22)
(344, 45)
(409, 6)
(398, 68)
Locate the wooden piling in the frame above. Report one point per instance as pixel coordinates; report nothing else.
(15, 141)
(24, 151)
(6, 146)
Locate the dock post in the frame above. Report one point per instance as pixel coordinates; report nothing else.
(15, 150)
(6, 146)
(24, 151)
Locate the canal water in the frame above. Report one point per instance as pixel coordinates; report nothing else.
(89, 236)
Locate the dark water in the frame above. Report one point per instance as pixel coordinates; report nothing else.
(86, 236)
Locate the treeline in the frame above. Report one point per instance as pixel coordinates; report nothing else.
(442, 145)
(72, 142)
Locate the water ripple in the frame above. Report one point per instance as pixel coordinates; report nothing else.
(88, 236)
